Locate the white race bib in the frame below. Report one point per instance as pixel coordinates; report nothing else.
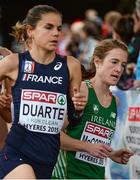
(94, 133)
(42, 111)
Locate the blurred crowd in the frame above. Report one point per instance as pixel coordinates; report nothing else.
(80, 38)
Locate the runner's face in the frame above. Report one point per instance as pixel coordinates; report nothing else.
(112, 67)
(47, 32)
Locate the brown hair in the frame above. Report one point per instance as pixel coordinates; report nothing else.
(33, 16)
(103, 48)
(111, 17)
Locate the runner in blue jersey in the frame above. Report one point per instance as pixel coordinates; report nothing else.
(41, 84)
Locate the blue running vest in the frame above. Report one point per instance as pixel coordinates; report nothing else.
(40, 105)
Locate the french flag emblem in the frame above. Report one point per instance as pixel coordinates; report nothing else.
(29, 67)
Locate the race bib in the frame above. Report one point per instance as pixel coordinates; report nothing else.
(42, 111)
(94, 133)
(132, 129)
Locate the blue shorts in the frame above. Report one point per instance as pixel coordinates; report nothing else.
(10, 159)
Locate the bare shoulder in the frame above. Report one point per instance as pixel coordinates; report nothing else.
(12, 55)
(11, 59)
(8, 66)
(74, 67)
(72, 61)
(4, 51)
(83, 85)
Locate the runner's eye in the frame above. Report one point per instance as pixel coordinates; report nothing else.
(59, 28)
(124, 65)
(48, 27)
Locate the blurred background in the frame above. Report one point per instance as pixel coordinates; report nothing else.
(12, 11)
(85, 23)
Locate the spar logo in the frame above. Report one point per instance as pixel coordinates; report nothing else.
(39, 96)
(134, 114)
(61, 100)
(99, 131)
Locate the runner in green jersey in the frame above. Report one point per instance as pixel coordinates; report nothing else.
(88, 142)
(97, 126)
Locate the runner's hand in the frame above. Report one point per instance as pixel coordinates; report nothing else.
(98, 150)
(121, 156)
(5, 101)
(79, 100)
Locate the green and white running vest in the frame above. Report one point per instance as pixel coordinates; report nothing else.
(96, 126)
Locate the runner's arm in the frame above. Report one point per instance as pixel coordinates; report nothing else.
(95, 149)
